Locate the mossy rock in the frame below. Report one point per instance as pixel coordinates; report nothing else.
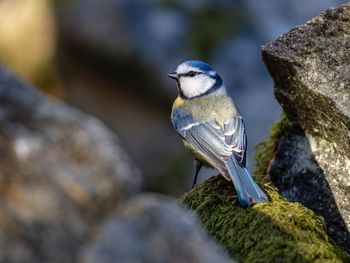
(278, 231)
(265, 150)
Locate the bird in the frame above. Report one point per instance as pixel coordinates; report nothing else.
(212, 129)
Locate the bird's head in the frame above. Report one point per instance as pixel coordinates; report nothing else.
(195, 78)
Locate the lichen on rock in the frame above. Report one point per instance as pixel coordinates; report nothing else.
(269, 232)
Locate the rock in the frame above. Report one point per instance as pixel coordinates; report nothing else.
(266, 232)
(303, 180)
(310, 67)
(152, 228)
(61, 172)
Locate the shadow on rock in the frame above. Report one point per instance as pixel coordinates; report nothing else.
(299, 178)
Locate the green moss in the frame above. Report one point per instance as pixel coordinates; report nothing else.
(266, 149)
(278, 231)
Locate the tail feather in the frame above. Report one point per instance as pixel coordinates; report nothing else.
(248, 192)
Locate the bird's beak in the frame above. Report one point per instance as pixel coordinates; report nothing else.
(172, 75)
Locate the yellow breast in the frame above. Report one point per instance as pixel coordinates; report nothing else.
(178, 102)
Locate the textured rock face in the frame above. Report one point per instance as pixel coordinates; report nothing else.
(310, 67)
(61, 171)
(152, 228)
(299, 177)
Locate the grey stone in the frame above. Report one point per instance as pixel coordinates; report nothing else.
(61, 172)
(152, 228)
(299, 178)
(310, 67)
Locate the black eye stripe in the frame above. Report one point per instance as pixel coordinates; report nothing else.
(190, 74)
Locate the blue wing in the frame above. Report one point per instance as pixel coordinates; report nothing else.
(224, 147)
(217, 143)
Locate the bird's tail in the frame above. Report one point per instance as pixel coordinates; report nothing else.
(248, 192)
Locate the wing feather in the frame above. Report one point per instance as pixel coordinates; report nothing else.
(217, 143)
(237, 138)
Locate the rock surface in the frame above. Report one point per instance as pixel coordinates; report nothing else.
(61, 172)
(152, 228)
(270, 232)
(310, 67)
(303, 180)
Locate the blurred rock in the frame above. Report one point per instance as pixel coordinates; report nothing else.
(310, 67)
(61, 172)
(152, 228)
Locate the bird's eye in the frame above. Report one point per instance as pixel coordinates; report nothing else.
(192, 74)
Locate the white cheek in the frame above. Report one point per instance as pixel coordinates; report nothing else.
(195, 86)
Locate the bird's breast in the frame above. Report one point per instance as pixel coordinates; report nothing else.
(218, 108)
(178, 102)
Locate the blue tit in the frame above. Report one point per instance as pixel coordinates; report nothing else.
(211, 127)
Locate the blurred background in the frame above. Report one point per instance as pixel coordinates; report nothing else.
(110, 58)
